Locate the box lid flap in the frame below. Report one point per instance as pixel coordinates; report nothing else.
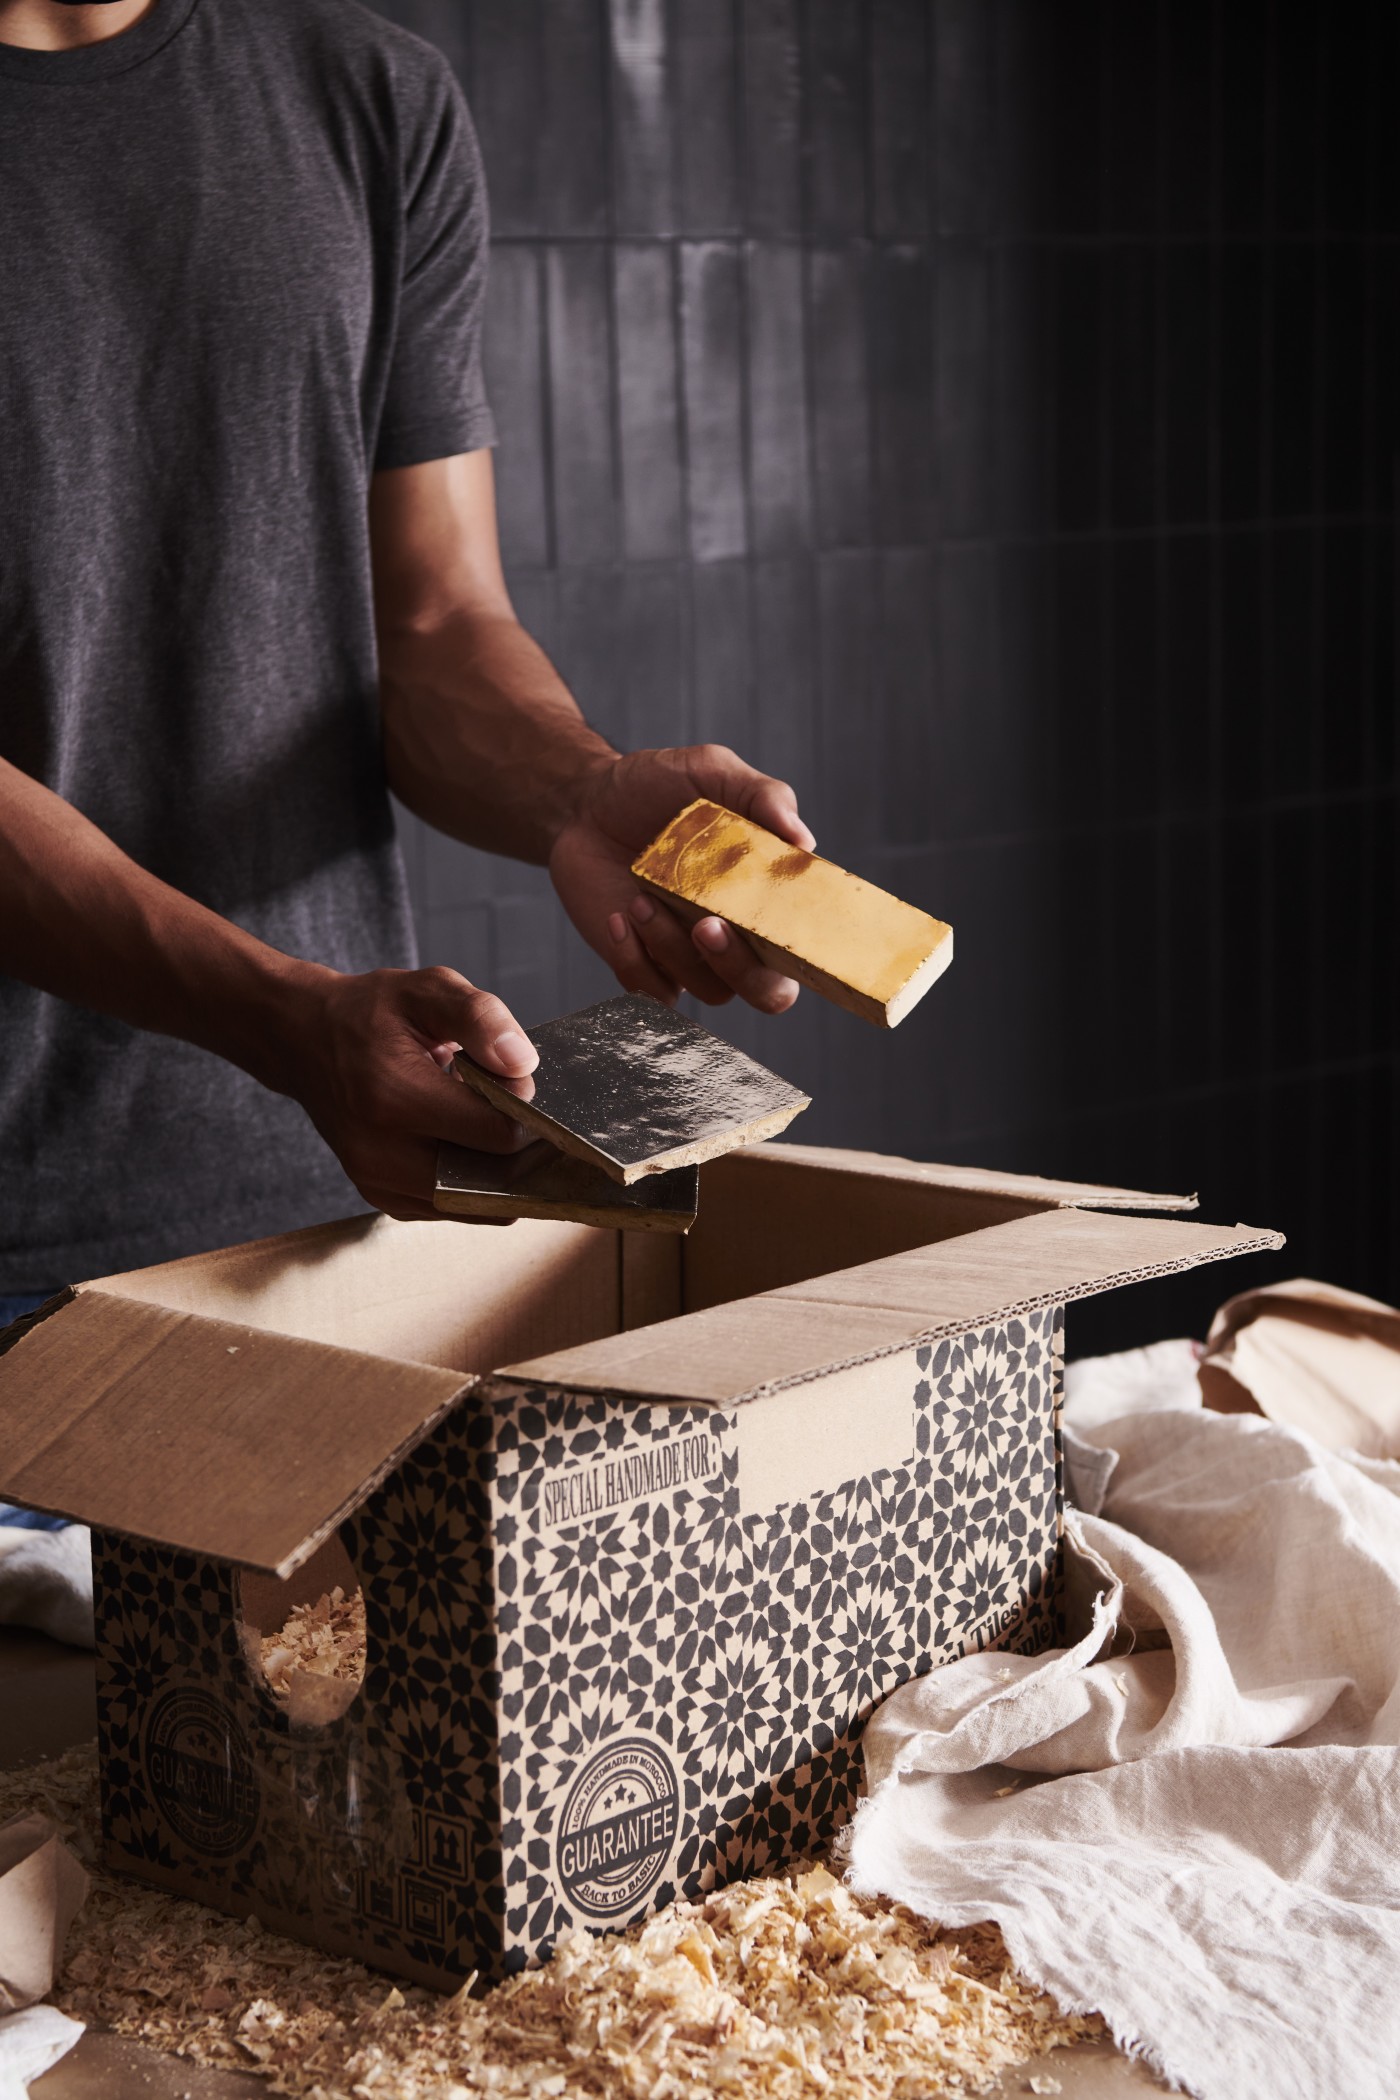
(204, 1435)
(738, 1351)
(1034, 1188)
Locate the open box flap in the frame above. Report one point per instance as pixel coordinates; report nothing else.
(738, 1351)
(460, 1296)
(1032, 1188)
(211, 1437)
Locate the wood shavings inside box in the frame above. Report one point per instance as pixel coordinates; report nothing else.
(773, 1989)
(314, 1662)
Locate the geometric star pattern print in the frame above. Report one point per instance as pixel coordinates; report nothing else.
(508, 1645)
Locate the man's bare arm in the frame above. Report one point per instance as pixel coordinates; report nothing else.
(483, 740)
(363, 1054)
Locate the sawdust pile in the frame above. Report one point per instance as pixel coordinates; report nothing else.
(324, 1639)
(774, 1989)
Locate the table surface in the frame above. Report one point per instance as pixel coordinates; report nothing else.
(48, 1703)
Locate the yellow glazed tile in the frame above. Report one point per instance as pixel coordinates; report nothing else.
(855, 944)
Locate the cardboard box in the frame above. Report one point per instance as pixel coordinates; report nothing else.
(645, 1528)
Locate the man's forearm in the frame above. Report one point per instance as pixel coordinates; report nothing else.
(481, 736)
(80, 919)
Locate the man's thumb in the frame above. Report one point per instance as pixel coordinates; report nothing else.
(446, 1007)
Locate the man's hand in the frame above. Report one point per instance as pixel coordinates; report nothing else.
(371, 1063)
(368, 1057)
(621, 808)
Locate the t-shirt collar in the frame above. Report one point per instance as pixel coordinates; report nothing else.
(115, 54)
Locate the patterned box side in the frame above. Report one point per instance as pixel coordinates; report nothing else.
(683, 1687)
(658, 1673)
(377, 1834)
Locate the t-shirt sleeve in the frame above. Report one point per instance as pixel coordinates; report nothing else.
(435, 401)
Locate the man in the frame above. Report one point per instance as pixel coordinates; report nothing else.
(249, 580)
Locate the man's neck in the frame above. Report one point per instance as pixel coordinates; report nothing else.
(43, 25)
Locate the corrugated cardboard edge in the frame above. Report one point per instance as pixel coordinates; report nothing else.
(376, 1479)
(25, 1324)
(1036, 1188)
(372, 1478)
(570, 1369)
(1262, 1242)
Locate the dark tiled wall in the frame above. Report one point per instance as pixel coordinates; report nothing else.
(983, 412)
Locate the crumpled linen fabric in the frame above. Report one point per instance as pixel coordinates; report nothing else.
(32, 2042)
(46, 1582)
(1188, 1819)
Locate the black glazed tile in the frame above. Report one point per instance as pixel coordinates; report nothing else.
(899, 119)
(964, 34)
(901, 350)
(513, 349)
(722, 654)
(649, 416)
(1295, 711)
(836, 94)
(780, 494)
(1132, 387)
(543, 1182)
(1347, 693)
(785, 672)
(1243, 750)
(1298, 37)
(507, 53)
(577, 293)
(652, 658)
(1240, 381)
(772, 115)
(1293, 314)
(1079, 387)
(1345, 450)
(1134, 714)
(1073, 34)
(571, 120)
(1344, 130)
(958, 466)
(629, 1085)
(841, 404)
(642, 123)
(1245, 67)
(1133, 111)
(1189, 93)
(709, 165)
(908, 694)
(1187, 398)
(1347, 907)
(713, 392)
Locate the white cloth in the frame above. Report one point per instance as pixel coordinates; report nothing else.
(1099, 1389)
(1231, 1907)
(46, 1581)
(32, 2042)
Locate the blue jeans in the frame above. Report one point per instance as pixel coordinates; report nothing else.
(27, 1519)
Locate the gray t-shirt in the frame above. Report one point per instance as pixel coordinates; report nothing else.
(242, 264)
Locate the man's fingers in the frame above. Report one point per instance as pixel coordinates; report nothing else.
(774, 806)
(720, 774)
(397, 1173)
(633, 967)
(729, 955)
(671, 949)
(447, 1007)
(421, 1106)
